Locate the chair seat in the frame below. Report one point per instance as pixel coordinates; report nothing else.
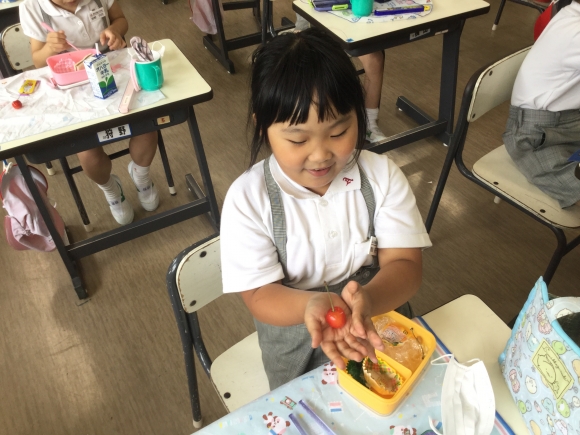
(498, 170)
(240, 372)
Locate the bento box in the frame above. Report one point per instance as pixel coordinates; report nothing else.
(386, 404)
(62, 66)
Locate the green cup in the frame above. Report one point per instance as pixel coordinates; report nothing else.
(150, 74)
(361, 8)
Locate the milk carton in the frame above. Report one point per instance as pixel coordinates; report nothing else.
(100, 75)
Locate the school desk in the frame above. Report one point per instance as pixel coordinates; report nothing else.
(183, 88)
(447, 19)
(466, 327)
(8, 16)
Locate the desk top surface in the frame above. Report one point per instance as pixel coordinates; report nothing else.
(470, 330)
(182, 85)
(5, 6)
(356, 32)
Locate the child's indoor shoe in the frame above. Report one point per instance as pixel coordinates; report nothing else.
(121, 209)
(146, 190)
(374, 134)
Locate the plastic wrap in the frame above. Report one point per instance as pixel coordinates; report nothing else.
(400, 342)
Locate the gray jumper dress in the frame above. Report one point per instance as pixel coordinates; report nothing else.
(286, 350)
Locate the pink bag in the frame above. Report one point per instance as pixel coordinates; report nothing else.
(202, 15)
(24, 226)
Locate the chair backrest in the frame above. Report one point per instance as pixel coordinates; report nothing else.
(495, 84)
(199, 276)
(16, 46)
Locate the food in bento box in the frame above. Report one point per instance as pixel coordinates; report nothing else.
(381, 377)
(400, 342)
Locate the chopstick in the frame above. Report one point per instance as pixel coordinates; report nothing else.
(297, 424)
(50, 29)
(316, 418)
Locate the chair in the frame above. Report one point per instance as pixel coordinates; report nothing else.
(238, 376)
(16, 56)
(496, 172)
(540, 7)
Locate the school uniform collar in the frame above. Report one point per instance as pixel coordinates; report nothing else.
(347, 180)
(55, 11)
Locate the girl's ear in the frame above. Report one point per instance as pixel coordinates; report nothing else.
(254, 118)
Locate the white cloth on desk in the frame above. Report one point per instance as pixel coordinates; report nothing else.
(81, 28)
(326, 234)
(48, 109)
(549, 78)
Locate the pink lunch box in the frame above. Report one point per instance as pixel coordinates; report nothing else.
(67, 78)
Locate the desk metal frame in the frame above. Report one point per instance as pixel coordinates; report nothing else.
(86, 138)
(265, 19)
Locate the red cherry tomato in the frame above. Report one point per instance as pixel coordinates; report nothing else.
(336, 319)
(17, 104)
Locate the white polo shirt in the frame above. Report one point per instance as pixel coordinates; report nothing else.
(326, 234)
(82, 28)
(549, 78)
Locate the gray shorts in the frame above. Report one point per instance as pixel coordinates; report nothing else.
(540, 143)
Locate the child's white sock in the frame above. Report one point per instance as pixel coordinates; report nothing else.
(140, 175)
(111, 189)
(372, 116)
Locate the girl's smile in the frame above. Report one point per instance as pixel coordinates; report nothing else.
(313, 154)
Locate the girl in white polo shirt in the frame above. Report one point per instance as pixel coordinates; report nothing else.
(84, 23)
(314, 211)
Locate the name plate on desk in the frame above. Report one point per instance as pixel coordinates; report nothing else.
(114, 133)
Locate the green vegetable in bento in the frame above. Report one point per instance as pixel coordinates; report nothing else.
(355, 369)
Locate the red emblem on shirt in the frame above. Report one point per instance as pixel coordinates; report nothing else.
(347, 180)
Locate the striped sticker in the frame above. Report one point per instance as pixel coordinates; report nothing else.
(335, 406)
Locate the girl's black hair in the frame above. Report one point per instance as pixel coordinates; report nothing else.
(291, 72)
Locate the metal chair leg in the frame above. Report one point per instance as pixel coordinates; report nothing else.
(165, 160)
(49, 169)
(498, 16)
(559, 252)
(75, 193)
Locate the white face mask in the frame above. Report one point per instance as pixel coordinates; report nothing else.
(467, 400)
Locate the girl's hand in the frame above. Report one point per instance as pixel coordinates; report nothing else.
(56, 42)
(113, 39)
(359, 303)
(335, 343)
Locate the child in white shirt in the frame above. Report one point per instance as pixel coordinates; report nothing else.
(543, 128)
(312, 212)
(84, 23)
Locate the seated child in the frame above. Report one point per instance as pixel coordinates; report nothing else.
(309, 213)
(543, 128)
(84, 23)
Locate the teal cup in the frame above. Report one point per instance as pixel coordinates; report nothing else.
(150, 74)
(361, 8)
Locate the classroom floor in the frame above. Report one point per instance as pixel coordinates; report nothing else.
(113, 365)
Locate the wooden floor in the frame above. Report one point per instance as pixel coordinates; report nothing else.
(113, 365)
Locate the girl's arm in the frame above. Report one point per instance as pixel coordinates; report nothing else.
(278, 305)
(55, 43)
(113, 35)
(398, 280)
